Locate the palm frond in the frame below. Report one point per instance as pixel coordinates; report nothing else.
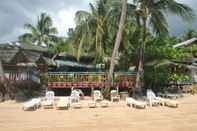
(81, 17)
(179, 9)
(158, 22)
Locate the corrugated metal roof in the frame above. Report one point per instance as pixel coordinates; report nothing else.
(185, 43)
(72, 64)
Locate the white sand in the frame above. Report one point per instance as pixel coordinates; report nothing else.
(117, 117)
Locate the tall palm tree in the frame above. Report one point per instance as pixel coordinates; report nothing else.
(118, 37)
(152, 13)
(43, 32)
(93, 25)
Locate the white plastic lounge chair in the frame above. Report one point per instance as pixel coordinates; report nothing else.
(49, 100)
(92, 104)
(76, 105)
(75, 99)
(171, 103)
(136, 104)
(62, 103)
(114, 96)
(152, 99)
(104, 104)
(167, 102)
(75, 96)
(97, 96)
(32, 104)
(171, 95)
(162, 101)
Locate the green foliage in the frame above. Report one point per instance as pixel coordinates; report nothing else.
(96, 30)
(42, 33)
(159, 56)
(44, 78)
(180, 77)
(106, 92)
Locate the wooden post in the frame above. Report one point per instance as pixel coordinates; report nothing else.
(92, 91)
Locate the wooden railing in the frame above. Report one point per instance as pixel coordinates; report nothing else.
(89, 79)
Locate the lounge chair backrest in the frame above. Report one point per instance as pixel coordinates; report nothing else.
(97, 94)
(75, 96)
(36, 100)
(114, 93)
(150, 94)
(75, 93)
(50, 95)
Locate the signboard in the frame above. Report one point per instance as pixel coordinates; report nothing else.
(87, 80)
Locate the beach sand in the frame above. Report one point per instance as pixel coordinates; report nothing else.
(117, 117)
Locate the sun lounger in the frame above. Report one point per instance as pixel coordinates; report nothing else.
(97, 96)
(62, 103)
(114, 96)
(32, 104)
(47, 104)
(163, 101)
(49, 100)
(76, 105)
(171, 103)
(75, 97)
(152, 99)
(170, 95)
(134, 103)
(104, 104)
(92, 104)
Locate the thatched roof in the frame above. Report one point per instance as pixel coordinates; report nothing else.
(7, 55)
(24, 46)
(32, 47)
(186, 43)
(24, 56)
(15, 52)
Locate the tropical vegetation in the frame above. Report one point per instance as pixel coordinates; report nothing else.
(121, 34)
(42, 34)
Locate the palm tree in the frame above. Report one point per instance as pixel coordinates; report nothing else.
(118, 37)
(91, 26)
(152, 11)
(190, 34)
(42, 33)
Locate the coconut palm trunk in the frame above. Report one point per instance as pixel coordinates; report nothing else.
(2, 87)
(140, 73)
(118, 38)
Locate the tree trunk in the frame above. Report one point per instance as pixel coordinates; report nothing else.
(140, 73)
(2, 87)
(80, 48)
(118, 37)
(1, 73)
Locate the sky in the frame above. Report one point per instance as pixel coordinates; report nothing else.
(15, 13)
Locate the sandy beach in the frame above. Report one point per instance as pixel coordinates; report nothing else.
(117, 117)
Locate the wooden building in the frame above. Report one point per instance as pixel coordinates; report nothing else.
(71, 74)
(21, 62)
(191, 64)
